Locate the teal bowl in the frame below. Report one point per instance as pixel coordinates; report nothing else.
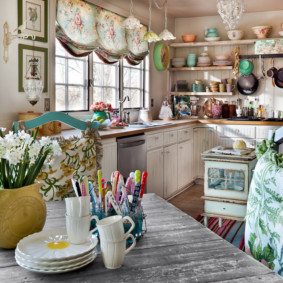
(246, 67)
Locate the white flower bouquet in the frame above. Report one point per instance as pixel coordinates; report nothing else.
(22, 157)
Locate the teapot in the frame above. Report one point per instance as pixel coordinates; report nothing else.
(211, 32)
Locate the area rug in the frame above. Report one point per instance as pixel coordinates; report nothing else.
(232, 231)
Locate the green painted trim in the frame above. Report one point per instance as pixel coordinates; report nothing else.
(39, 49)
(56, 116)
(20, 20)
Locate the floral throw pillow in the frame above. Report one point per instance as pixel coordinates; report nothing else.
(264, 220)
(79, 157)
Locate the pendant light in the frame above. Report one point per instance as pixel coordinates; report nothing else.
(150, 36)
(33, 85)
(131, 22)
(166, 34)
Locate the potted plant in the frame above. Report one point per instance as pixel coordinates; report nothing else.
(22, 208)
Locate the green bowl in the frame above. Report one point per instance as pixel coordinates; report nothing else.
(246, 67)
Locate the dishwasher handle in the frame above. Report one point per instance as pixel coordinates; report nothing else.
(131, 144)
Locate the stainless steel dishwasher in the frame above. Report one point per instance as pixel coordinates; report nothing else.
(131, 154)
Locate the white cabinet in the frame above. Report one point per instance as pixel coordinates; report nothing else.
(170, 170)
(204, 139)
(109, 159)
(185, 163)
(155, 172)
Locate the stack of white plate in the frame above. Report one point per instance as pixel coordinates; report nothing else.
(51, 252)
(178, 62)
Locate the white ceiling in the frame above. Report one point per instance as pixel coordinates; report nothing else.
(199, 8)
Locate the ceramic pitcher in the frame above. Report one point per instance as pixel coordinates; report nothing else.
(211, 32)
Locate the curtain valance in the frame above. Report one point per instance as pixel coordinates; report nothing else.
(83, 28)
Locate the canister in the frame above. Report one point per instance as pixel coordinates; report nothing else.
(25, 116)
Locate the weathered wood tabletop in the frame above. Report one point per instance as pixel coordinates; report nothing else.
(176, 248)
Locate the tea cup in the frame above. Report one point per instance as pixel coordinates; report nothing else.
(221, 87)
(78, 206)
(230, 87)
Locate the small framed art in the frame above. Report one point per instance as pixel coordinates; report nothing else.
(34, 13)
(26, 53)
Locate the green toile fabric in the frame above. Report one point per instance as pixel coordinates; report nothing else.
(83, 27)
(80, 156)
(264, 219)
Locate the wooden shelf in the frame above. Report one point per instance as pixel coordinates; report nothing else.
(202, 93)
(210, 68)
(213, 43)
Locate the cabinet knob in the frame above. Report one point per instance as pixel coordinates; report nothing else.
(185, 132)
(171, 135)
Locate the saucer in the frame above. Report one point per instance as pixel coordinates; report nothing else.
(212, 38)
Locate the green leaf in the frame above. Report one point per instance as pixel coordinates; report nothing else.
(262, 226)
(268, 254)
(271, 265)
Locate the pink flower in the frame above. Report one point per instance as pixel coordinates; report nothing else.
(111, 30)
(77, 19)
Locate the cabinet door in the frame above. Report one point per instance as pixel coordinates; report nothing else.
(109, 159)
(204, 139)
(170, 170)
(155, 172)
(185, 163)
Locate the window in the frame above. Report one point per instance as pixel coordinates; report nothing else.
(72, 76)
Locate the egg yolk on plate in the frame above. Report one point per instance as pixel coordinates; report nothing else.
(58, 245)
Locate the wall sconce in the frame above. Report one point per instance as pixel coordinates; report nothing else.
(9, 37)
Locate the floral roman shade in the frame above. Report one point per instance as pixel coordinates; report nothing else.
(83, 28)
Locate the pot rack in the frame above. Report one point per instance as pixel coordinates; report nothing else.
(263, 56)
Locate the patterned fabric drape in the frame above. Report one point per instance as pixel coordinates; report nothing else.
(83, 28)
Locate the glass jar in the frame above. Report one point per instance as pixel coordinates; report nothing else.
(232, 110)
(225, 110)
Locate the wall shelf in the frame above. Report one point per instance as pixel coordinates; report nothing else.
(210, 68)
(213, 43)
(201, 93)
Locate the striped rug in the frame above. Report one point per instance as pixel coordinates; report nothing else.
(232, 231)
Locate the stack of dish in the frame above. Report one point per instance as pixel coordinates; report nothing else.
(222, 60)
(203, 60)
(51, 252)
(178, 62)
(214, 86)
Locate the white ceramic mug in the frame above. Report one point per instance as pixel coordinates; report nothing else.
(113, 253)
(78, 228)
(112, 228)
(78, 206)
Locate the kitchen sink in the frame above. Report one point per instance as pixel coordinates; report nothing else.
(148, 125)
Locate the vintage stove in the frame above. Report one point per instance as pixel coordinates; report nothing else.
(226, 184)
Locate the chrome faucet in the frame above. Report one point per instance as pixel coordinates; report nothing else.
(121, 102)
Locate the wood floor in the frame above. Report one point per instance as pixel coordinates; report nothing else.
(190, 200)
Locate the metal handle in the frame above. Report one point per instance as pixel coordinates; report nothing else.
(132, 144)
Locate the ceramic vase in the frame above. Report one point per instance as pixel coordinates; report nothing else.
(22, 212)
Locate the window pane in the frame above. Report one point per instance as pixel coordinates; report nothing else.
(59, 51)
(135, 98)
(97, 74)
(60, 70)
(109, 75)
(109, 96)
(76, 72)
(127, 77)
(60, 98)
(126, 64)
(77, 100)
(97, 94)
(136, 78)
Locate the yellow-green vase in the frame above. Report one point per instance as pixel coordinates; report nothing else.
(22, 212)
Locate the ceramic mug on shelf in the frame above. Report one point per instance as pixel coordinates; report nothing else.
(221, 87)
(230, 87)
(112, 228)
(113, 253)
(78, 228)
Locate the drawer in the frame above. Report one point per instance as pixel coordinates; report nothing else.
(154, 141)
(225, 208)
(237, 131)
(170, 138)
(262, 131)
(185, 134)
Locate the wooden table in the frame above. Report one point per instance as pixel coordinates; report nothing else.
(176, 248)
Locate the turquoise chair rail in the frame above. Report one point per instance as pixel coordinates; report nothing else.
(56, 116)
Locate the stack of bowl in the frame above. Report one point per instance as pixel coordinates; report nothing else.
(214, 86)
(178, 62)
(203, 60)
(222, 60)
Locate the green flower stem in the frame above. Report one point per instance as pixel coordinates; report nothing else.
(8, 176)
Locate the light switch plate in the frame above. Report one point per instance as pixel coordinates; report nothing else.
(46, 104)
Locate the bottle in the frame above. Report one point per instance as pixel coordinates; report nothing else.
(260, 112)
(225, 110)
(250, 110)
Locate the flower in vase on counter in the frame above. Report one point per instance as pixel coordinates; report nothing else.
(101, 106)
(22, 157)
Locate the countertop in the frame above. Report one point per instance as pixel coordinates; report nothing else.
(175, 248)
(115, 133)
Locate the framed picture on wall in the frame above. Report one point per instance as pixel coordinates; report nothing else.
(34, 14)
(26, 53)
